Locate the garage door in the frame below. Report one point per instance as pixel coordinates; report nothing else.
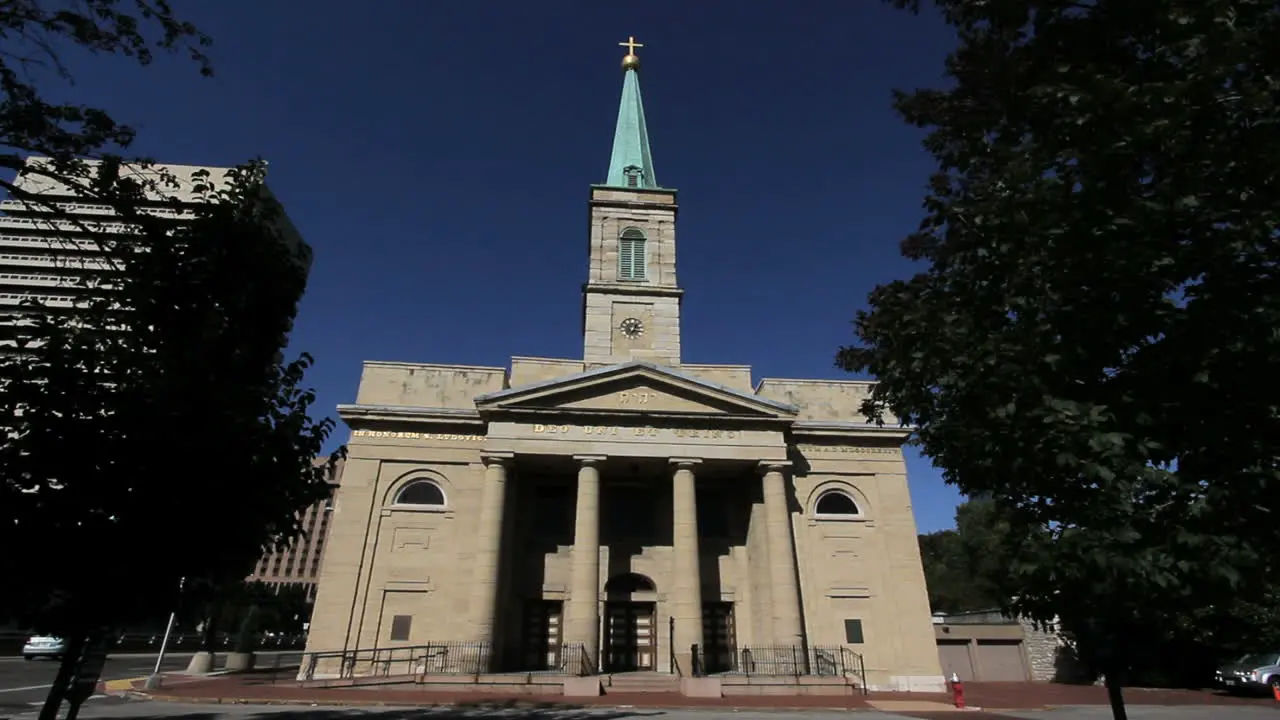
(1001, 661)
(954, 656)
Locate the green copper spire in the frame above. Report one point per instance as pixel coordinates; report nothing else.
(631, 165)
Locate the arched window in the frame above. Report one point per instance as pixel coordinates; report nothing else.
(834, 502)
(631, 255)
(421, 492)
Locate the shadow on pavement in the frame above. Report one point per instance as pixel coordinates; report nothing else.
(506, 710)
(87, 710)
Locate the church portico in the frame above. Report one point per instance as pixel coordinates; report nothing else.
(626, 510)
(681, 523)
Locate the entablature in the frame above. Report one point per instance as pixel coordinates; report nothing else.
(852, 431)
(361, 416)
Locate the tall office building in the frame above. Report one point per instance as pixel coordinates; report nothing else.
(50, 250)
(298, 563)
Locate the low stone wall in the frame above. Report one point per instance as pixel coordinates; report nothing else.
(1051, 658)
(1043, 648)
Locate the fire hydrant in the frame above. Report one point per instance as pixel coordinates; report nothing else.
(957, 691)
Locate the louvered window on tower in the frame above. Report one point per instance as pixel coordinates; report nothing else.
(631, 259)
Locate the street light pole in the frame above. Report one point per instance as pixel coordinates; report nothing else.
(154, 680)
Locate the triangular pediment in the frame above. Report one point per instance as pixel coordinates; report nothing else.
(634, 388)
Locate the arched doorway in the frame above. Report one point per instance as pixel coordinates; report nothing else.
(630, 623)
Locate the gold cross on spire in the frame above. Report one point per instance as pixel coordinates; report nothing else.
(631, 61)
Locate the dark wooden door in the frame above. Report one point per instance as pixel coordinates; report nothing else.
(542, 633)
(718, 637)
(630, 636)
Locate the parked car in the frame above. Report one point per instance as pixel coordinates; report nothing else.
(1253, 672)
(43, 646)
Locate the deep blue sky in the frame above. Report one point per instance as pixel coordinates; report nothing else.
(437, 155)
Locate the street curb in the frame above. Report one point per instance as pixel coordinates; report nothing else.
(172, 653)
(385, 703)
(119, 685)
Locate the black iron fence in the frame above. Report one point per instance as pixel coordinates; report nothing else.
(576, 660)
(567, 659)
(438, 658)
(456, 658)
(782, 660)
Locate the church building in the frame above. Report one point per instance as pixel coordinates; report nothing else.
(622, 513)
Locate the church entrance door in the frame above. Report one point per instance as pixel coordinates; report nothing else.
(631, 642)
(541, 634)
(717, 637)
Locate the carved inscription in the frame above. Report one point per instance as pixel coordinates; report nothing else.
(635, 432)
(846, 449)
(413, 435)
(634, 397)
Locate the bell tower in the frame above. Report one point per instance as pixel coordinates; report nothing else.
(631, 301)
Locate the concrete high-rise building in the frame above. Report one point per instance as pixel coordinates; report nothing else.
(48, 250)
(298, 563)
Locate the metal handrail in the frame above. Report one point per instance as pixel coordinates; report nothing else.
(791, 661)
(671, 646)
(440, 658)
(861, 670)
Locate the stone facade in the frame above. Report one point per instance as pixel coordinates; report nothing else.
(628, 510)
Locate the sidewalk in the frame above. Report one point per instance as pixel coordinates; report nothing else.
(236, 690)
(266, 689)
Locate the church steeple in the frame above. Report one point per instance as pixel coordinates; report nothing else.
(631, 302)
(631, 165)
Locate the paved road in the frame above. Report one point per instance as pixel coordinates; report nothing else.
(24, 684)
(113, 709)
(1152, 712)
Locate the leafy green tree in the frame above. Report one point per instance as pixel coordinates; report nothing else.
(966, 568)
(1090, 343)
(157, 436)
(34, 31)
(944, 573)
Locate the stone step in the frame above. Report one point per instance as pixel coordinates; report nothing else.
(641, 682)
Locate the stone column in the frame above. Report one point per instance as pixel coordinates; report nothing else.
(582, 615)
(686, 592)
(787, 627)
(485, 574)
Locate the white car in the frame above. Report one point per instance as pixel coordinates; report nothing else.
(43, 646)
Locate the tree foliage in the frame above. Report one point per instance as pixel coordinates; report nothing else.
(157, 422)
(965, 567)
(156, 435)
(35, 36)
(1090, 343)
(154, 432)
